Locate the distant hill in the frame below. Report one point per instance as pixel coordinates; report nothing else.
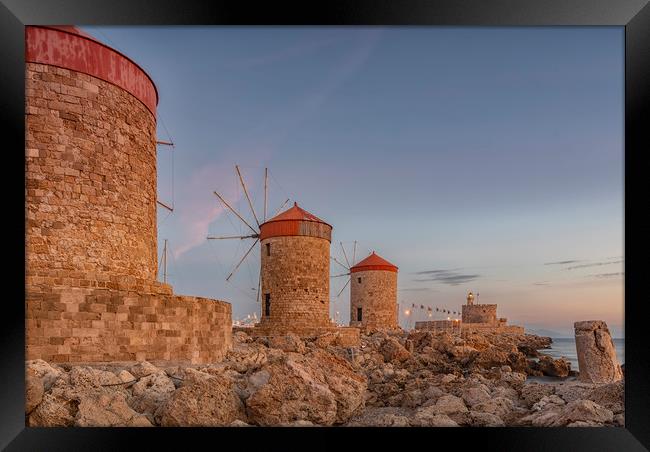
(549, 333)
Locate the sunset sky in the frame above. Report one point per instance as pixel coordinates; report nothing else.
(483, 159)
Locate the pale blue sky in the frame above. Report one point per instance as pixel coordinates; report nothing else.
(483, 152)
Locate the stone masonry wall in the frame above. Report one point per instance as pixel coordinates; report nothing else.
(479, 313)
(376, 295)
(91, 182)
(296, 275)
(99, 325)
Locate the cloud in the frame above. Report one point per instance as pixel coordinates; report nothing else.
(542, 283)
(608, 275)
(595, 264)
(450, 277)
(572, 261)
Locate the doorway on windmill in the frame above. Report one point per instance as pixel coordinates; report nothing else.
(268, 249)
(267, 304)
(358, 314)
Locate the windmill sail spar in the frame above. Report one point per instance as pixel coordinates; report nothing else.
(242, 259)
(235, 212)
(341, 291)
(250, 204)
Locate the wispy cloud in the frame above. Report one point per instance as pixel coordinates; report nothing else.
(450, 277)
(594, 264)
(418, 289)
(542, 283)
(607, 275)
(572, 261)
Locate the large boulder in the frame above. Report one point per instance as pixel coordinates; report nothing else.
(104, 408)
(450, 404)
(553, 367)
(499, 406)
(203, 401)
(533, 392)
(475, 395)
(431, 417)
(247, 357)
(319, 387)
(583, 411)
(54, 411)
(84, 376)
(150, 392)
(393, 351)
(596, 353)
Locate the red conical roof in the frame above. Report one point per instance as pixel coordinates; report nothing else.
(373, 262)
(295, 222)
(295, 213)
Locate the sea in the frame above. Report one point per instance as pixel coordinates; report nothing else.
(566, 347)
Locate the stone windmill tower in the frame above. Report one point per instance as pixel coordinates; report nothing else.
(373, 293)
(294, 284)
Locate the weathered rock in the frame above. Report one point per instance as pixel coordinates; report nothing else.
(287, 343)
(142, 369)
(380, 417)
(250, 357)
(596, 353)
(151, 392)
(610, 396)
(203, 401)
(533, 392)
(45, 371)
(513, 379)
(449, 404)
(431, 417)
(125, 376)
(318, 387)
(474, 396)
(479, 419)
(103, 408)
(326, 339)
(553, 367)
(239, 423)
(499, 406)
(583, 411)
(393, 351)
(53, 411)
(84, 376)
(33, 390)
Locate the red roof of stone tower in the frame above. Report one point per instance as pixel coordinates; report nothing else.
(295, 213)
(294, 222)
(373, 262)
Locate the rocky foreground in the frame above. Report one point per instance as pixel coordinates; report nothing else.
(393, 379)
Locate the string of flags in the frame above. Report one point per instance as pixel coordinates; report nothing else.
(433, 309)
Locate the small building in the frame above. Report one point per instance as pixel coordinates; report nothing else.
(373, 294)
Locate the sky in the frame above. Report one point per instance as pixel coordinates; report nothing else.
(473, 158)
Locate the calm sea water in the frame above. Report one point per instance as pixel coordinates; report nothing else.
(567, 348)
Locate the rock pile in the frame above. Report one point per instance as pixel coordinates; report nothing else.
(393, 378)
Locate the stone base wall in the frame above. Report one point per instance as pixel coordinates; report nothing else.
(438, 325)
(100, 325)
(490, 328)
(348, 336)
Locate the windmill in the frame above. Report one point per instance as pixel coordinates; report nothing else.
(253, 229)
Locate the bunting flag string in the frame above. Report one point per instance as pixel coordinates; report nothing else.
(429, 309)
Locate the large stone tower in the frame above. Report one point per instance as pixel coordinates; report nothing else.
(373, 294)
(91, 244)
(295, 250)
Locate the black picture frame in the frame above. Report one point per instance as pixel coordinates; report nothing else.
(634, 15)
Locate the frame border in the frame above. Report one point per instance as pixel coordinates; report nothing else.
(634, 15)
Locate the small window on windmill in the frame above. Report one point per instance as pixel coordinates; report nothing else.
(358, 314)
(359, 280)
(268, 249)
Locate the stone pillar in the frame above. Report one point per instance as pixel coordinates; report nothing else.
(596, 353)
